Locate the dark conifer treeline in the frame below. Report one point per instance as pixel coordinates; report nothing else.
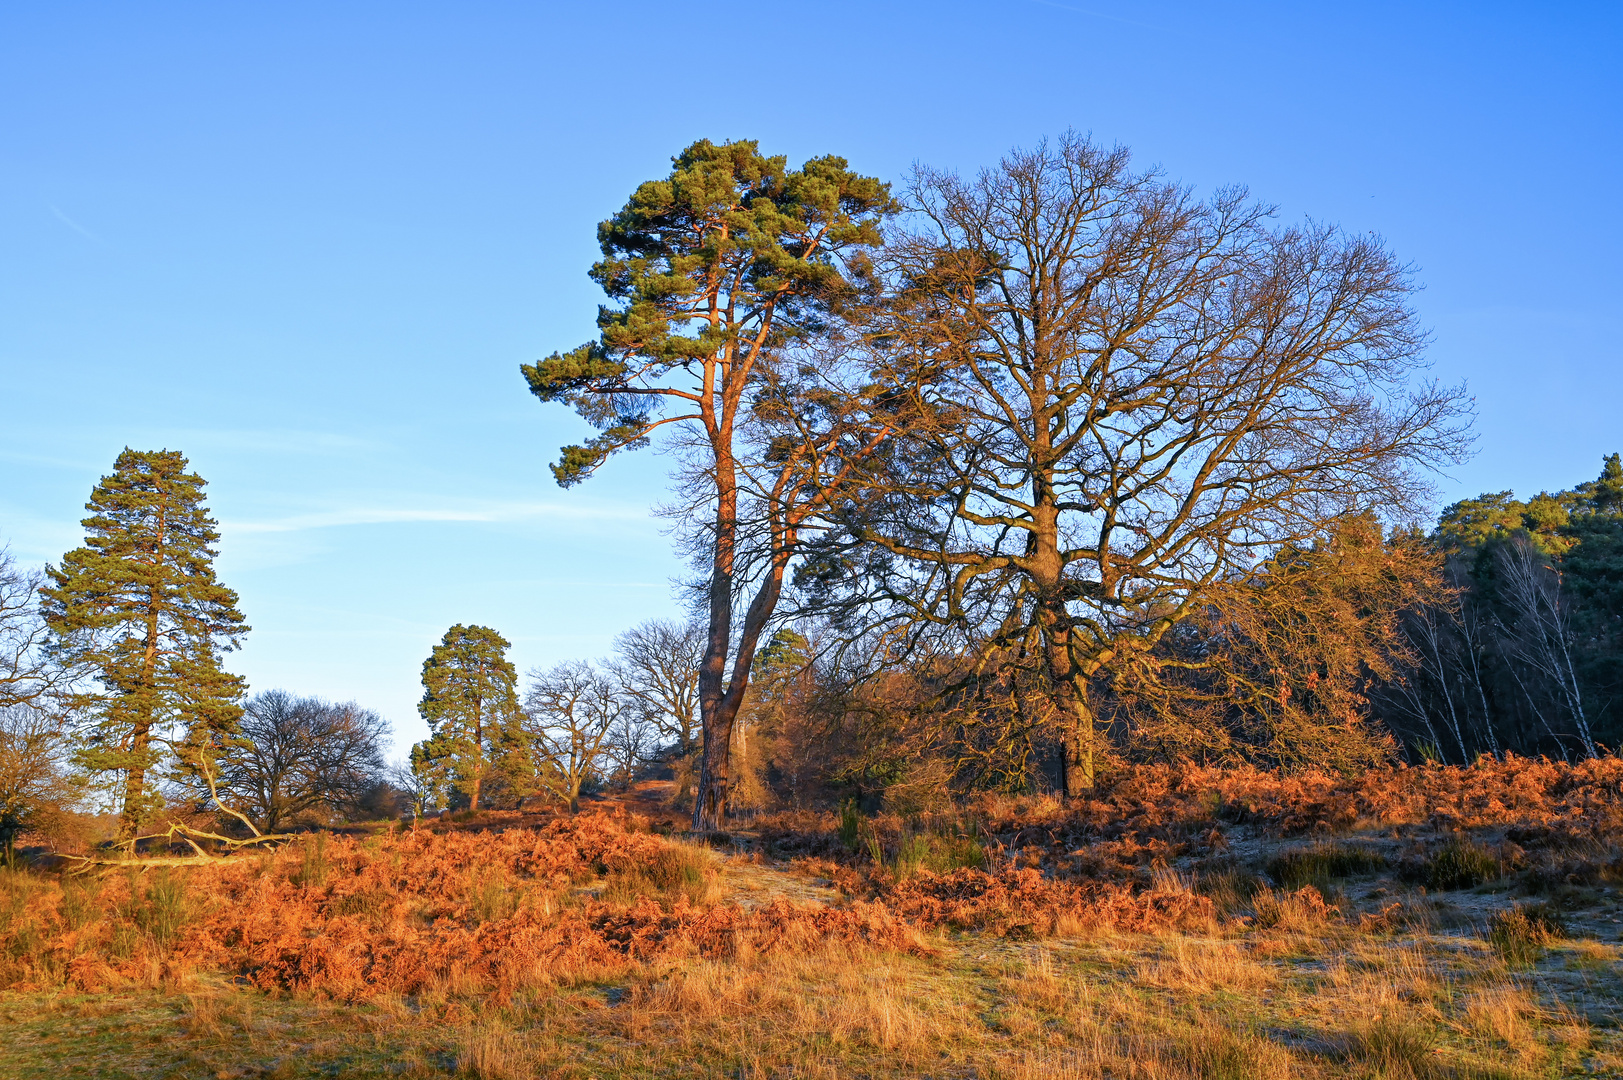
(1523, 650)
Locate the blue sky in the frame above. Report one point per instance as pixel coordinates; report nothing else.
(310, 244)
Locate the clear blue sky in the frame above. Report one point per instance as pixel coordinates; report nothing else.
(310, 244)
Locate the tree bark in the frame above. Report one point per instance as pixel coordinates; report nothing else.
(1079, 748)
(478, 754)
(710, 805)
(710, 800)
(141, 732)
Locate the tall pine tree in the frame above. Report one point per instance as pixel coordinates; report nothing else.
(138, 607)
(470, 700)
(721, 272)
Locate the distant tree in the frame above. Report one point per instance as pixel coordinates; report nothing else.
(34, 779)
(1539, 630)
(1527, 652)
(570, 715)
(657, 663)
(431, 782)
(1135, 397)
(769, 718)
(633, 739)
(470, 700)
(140, 609)
(721, 270)
(25, 671)
(416, 791)
(298, 755)
(1278, 668)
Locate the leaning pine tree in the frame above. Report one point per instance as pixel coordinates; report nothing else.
(139, 609)
(470, 700)
(725, 275)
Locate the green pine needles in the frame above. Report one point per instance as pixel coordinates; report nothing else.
(718, 276)
(730, 257)
(138, 609)
(470, 700)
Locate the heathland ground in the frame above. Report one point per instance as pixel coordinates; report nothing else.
(1184, 922)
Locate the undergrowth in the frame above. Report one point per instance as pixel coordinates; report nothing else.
(1172, 926)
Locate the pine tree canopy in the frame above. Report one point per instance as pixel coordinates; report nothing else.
(139, 609)
(470, 700)
(730, 254)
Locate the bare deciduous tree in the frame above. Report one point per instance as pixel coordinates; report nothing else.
(33, 777)
(419, 793)
(25, 672)
(569, 716)
(632, 740)
(296, 755)
(1540, 633)
(657, 664)
(1137, 396)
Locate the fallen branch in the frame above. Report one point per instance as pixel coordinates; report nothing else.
(179, 831)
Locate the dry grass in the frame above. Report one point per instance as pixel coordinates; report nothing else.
(1195, 967)
(1074, 946)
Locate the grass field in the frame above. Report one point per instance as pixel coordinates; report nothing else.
(1012, 938)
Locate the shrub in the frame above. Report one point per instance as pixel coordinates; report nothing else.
(681, 870)
(911, 852)
(1395, 1047)
(1521, 934)
(850, 825)
(159, 909)
(312, 872)
(956, 850)
(1323, 863)
(491, 897)
(940, 853)
(1461, 864)
(1303, 909)
(372, 904)
(78, 906)
(1230, 888)
(1220, 1054)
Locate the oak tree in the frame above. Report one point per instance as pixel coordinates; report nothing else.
(571, 714)
(26, 673)
(35, 783)
(1137, 396)
(296, 755)
(657, 663)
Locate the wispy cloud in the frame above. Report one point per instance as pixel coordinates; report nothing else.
(74, 225)
(264, 440)
(25, 438)
(504, 512)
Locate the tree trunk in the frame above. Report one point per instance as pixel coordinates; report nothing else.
(710, 805)
(710, 801)
(129, 825)
(478, 752)
(1078, 776)
(140, 734)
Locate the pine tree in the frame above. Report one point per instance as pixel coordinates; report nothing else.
(470, 700)
(139, 608)
(720, 272)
